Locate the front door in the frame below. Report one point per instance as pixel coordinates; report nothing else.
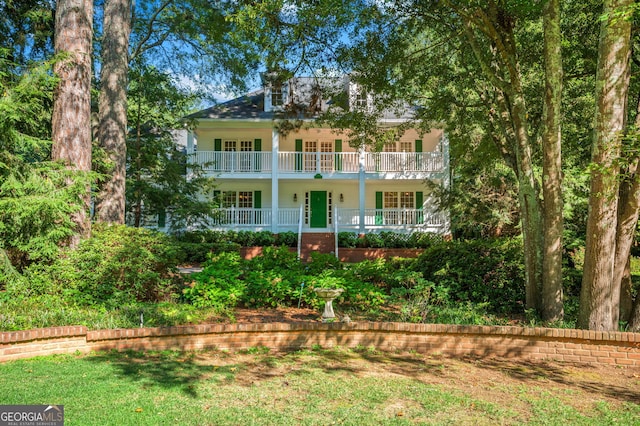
(318, 208)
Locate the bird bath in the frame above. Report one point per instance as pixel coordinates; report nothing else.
(328, 295)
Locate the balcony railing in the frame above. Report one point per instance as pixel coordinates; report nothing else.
(348, 219)
(234, 162)
(319, 162)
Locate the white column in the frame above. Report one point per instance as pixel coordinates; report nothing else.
(446, 179)
(361, 187)
(191, 156)
(275, 148)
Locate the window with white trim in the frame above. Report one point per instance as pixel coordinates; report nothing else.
(277, 95)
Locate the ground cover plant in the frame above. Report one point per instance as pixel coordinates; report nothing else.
(124, 277)
(319, 386)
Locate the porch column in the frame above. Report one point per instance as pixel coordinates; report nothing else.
(361, 187)
(275, 148)
(191, 152)
(446, 179)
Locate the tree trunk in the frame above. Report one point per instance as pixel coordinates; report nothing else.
(71, 118)
(634, 321)
(552, 308)
(501, 67)
(110, 205)
(612, 84)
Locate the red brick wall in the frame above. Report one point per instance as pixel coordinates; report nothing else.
(576, 346)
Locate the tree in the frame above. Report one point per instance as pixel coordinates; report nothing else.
(71, 119)
(189, 36)
(112, 133)
(552, 308)
(160, 180)
(612, 85)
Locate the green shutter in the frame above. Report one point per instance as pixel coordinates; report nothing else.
(298, 154)
(257, 199)
(217, 144)
(419, 209)
(419, 155)
(338, 148)
(257, 147)
(378, 208)
(162, 218)
(257, 204)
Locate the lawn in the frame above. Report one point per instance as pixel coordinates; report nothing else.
(319, 387)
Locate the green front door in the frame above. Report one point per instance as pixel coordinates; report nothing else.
(318, 208)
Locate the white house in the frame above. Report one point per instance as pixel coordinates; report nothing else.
(309, 179)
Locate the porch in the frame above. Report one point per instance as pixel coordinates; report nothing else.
(261, 162)
(339, 220)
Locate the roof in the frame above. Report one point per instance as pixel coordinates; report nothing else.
(249, 106)
(303, 93)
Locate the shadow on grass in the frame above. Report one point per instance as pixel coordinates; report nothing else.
(185, 370)
(581, 377)
(162, 369)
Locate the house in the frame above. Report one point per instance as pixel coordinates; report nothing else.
(278, 170)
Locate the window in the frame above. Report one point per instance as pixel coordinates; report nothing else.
(406, 200)
(400, 206)
(228, 199)
(360, 99)
(406, 146)
(245, 199)
(277, 95)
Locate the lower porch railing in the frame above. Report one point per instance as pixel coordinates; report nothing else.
(398, 220)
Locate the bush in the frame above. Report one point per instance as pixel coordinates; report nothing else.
(117, 265)
(287, 239)
(219, 284)
(479, 271)
(347, 239)
(273, 279)
(394, 240)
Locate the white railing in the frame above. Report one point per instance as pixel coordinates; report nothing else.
(381, 218)
(241, 217)
(403, 161)
(319, 162)
(234, 162)
(347, 219)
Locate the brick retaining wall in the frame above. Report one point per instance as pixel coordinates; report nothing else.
(575, 346)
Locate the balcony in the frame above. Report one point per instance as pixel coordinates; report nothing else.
(319, 162)
(397, 220)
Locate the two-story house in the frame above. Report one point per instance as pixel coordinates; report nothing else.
(309, 178)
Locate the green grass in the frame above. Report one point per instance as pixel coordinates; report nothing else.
(313, 387)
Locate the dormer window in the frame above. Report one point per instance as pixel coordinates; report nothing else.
(277, 95)
(360, 100)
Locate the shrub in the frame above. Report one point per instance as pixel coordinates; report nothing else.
(347, 239)
(288, 239)
(116, 266)
(479, 271)
(219, 284)
(263, 239)
(371, 241)
(273, 279)
(321, 262)
(394, 240)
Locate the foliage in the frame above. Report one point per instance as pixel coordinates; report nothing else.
(118, 265)
(160, 180)
(36, 204)
(274, 279)
(479, 271)
(219, 284)
(288, 238)
(347, 239)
